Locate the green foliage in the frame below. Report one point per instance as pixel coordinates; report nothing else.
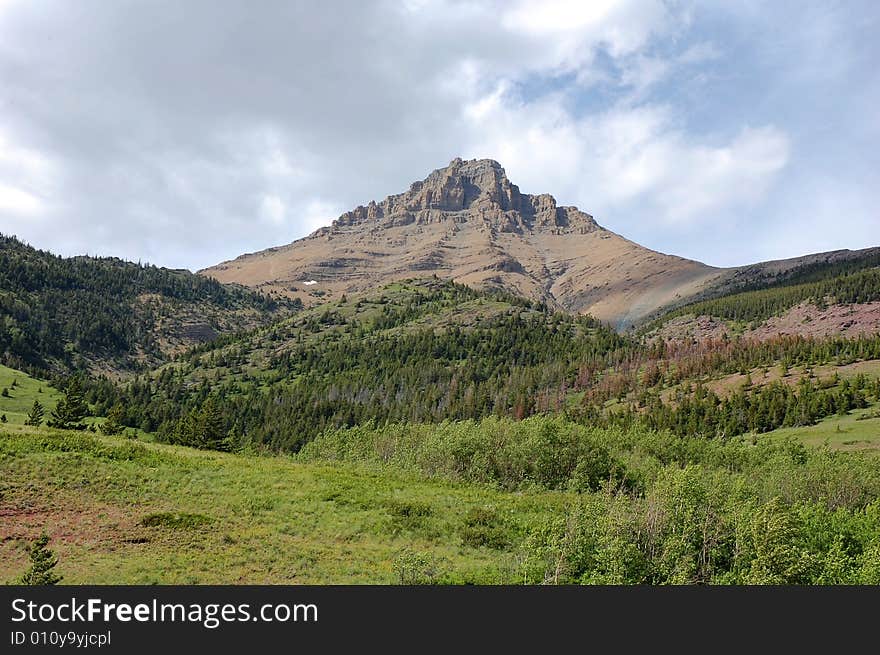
(777, 557)
(114, 423)
(699, 412)
(696, 511)
(58, 314)
(430, 351)
(691, 529)
(415, 568)
(484, 528)
(704, 511)
(83, 444)
(408, 515)
(859, 286)
(35, 416)
(43, 562)
(549, 452)
(202, 428)
(70, 410)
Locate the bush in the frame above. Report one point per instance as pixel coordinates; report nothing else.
(548, 452)
(415, 568)
(483, 528)
(408, 515)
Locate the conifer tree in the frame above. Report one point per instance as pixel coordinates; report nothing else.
(211, 426)
(42, 561)
(113, 425)
(35, 417)
(71, 410)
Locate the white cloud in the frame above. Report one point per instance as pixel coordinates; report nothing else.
(629, 155)
(700, 180)
(26, 176)
(570, 29)
(318, 213)
(219, 139)
(17, 201)
(272, 209)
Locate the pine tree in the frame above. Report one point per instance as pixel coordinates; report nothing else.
(43, 561)
(202, 428)
(113, 425)
(71, 410)
(212, 433)
(35, 417)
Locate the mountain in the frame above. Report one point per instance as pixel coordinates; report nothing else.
(467, 222)
(111, 316)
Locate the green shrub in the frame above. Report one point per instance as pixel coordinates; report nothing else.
(409, 514)
(484, 528)
(415, 568)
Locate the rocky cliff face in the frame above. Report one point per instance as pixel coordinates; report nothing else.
(476, 190)
(469, 223)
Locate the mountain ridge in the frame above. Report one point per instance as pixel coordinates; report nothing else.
(469, 223)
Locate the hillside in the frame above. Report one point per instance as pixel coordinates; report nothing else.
(426, 351)
(468, 223)
(420, 350)
(111, 316)
(835, 297)
(18, 391)
(432, 433)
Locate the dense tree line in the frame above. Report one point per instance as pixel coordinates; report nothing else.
(816, 271)
(58, 313)
(669, 363)
(858, 286)
(696, 411)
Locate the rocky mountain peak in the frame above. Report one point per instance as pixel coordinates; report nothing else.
(462, 184)
(468, 190)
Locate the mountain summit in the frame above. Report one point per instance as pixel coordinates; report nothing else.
(468, 222)
(477, 189)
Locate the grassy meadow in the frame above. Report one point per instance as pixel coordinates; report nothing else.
(22, 390)
(123, 511)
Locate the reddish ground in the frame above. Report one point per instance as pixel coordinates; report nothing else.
(805, 320)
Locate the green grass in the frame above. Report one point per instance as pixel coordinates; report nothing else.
(21, 397)
(858, 430)
(120, 511)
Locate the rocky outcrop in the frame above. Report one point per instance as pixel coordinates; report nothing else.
(477, 189)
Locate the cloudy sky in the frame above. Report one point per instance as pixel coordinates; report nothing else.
(186, 133)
